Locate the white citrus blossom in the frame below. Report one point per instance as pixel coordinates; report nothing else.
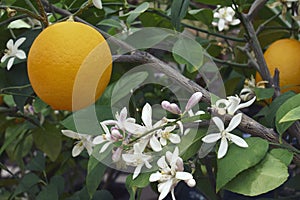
(171, 171)
(109, 137)
(97, 4)
(122, 122)
(248, 91)
(150, 138)
(85, 141)
(224, 17)
(231, 105)
(13, 52)
(167, 134)
(137, 159)
(225, 135)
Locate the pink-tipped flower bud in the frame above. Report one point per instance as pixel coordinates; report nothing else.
(115, 134)
(194, 99)
(171, 107)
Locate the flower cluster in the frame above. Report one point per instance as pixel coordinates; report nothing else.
(136, 145)
(223, 17)
(248, 91)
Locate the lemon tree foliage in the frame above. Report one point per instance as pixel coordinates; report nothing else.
(111, 99)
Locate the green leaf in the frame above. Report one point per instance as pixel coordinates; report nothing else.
(126, 84)
(147, 37)
(214, 2)
(136, 12)
(283, 155)
(28, 181)
(111, 23)
(203, 15)
(178, 12)
(239, 159)
(102, 194)
(263, 93)
(286, 107)
(48, 139)
(95, 173)
(269, 112)
(39, 105)
(187, 51)
(37, 163)
(190, 143)
(264, 177)
(292, 115)
(140, 182)
(48, 193)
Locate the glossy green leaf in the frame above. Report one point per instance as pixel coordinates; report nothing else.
(126, 84)
(189, 52)
(48, 139)
(37, 163)
(111, 23)
(283, 155)
(178, 12)
(263, 93)
(203, 15)
(140, 182)
(269, 174)
(27, 181)
(136, 12)
(147, 38)
(286, 107)
(95, 173)
(239, 159)
(292, 115)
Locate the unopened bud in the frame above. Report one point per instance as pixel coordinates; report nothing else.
(171, 107)
(195, 98)
(191, 182)
(11, 12)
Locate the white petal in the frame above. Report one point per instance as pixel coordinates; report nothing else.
(247, 104)
(147, 164)
(4, 58)
(211, 138)
(219, 123)
(221, 24)
(161, 163)
(174, 158)
(147, 115)
(191, 182)
(223, 148)
(97, 4)
(155, 177)
(89, 148)
(123, 115)
(10, 63)
(19, 42)
(234, 104)
(104, 147)
(105, 128)
(77, 149)
(238, 140)
(163, 141)
(235, 121)
(70, 134)
(183, 176)
(174, 138)
(165, 189)
(180, 125)
(129, 158)
(137, 148)
(10, 44)
(235, 22)
(137, 171)
(20, 54)
(99, 139)
(155, 144)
